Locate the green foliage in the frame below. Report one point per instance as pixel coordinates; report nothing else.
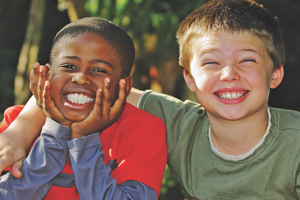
(140, 17)
(152, 24)
(168, 181)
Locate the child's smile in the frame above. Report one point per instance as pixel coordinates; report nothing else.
(77, 98)
(79, 69)
(231, 95)
(231, 74)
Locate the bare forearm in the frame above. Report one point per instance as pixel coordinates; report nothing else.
(134, 96)
(27, 125)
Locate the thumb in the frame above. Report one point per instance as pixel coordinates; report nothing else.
(16, 169)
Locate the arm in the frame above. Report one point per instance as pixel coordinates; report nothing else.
(134, 96)
(17, 138)
(45, 161)
(92, 176)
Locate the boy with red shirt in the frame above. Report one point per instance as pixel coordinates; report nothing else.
(114, 152)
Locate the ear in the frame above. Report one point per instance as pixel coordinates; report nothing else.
(277, 77)
(189, 80)
(128, 85)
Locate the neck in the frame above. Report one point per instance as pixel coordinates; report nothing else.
(237, 137)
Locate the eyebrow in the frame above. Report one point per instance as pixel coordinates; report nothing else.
(93, 61)
(209, 50)
(252, 50)
(216, 49)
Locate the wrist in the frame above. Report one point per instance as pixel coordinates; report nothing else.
(76, 134)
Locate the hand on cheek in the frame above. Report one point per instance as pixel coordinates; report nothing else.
(40, 87)
(104, 113)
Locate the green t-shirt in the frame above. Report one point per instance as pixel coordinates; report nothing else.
(271, 172)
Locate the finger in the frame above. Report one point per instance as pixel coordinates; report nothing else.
(34, 79)
(49, 105)
(98, 102)
(47, 101)
(117, 108)
(122, 91)
(47, 66)
(5, 162)
(106, 100)
(41, 83)
(16, 169)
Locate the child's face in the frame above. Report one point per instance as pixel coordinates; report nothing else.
(78, 70)
(231, 74)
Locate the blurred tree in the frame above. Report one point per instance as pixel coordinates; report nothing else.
(13, 23)
(75, 8)
(29, 52)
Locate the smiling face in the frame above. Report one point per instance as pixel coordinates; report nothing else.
(231, 74)
(78, 70)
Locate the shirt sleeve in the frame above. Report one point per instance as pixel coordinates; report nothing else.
(93, 178)
(179, 116)
(44, 162)
(9, 116)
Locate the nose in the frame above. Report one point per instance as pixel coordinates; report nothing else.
(229, 74)
(81, 78)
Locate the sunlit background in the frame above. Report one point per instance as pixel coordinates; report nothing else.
(27, 28)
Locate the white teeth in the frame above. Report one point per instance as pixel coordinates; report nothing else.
(228, 96)
(79, 98)
(232, 95)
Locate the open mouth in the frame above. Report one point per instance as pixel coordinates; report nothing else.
(77, 98)
(231, 95)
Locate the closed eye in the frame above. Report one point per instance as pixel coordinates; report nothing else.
(210, 63)
(249, 60)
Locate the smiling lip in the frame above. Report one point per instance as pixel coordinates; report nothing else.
(231, 95)
(78, 100)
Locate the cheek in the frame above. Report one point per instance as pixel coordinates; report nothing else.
(205, 81)
(261, 79)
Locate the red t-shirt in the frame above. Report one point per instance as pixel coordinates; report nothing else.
(137, 141)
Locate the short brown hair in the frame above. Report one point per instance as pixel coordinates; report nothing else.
(232, 16)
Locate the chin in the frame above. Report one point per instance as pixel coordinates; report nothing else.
(76, 118)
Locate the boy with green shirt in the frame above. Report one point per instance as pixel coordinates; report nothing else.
(230, 145)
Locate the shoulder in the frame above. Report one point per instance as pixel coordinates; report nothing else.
(137, 120)
(285, 118)
(166, 106)
(9, 115)
(13, 110)
(132, 112)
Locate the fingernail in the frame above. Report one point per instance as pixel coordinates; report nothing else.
(123, 82)
(107, 80)
(41, 68)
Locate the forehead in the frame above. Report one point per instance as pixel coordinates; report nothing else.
(227, 40)
(85, 39)
(86, 46)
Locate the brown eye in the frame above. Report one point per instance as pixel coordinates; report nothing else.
(69, 66)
